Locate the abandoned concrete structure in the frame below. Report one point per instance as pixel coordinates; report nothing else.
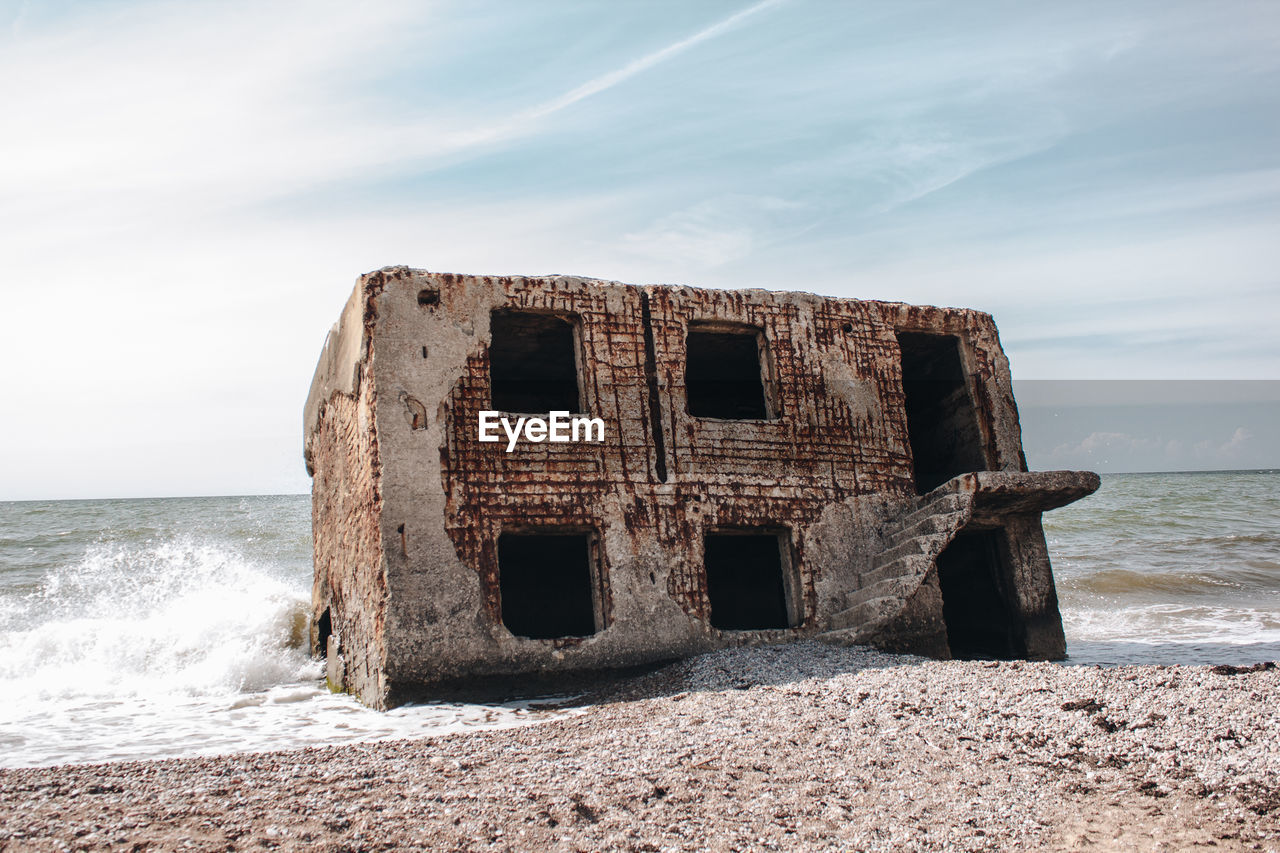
(771, 466)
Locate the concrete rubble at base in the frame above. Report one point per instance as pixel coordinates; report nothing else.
(774, 466)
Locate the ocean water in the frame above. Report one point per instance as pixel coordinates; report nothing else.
(1171, 568)
(155, 628)
(171, 627)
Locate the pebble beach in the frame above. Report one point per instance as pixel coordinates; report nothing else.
(795, 747)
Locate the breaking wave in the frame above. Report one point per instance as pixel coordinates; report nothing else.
(144, 644)
(1123, 582)
(175, 617)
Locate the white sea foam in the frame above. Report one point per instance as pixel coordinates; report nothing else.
(1164, 624)
(180, 647)
(176, 618)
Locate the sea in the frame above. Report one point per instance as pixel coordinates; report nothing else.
(135, 629)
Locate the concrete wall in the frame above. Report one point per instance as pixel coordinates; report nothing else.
(826, 468)
(346, 506)
(409, 505)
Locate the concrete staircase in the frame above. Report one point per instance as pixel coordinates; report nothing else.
(911, 542)
(910, 545)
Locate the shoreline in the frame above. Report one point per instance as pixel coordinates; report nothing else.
(752, 748)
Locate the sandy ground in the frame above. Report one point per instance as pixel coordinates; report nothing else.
(796, 747)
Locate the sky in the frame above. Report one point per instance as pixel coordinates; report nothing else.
(1117, 426)
(188, 191)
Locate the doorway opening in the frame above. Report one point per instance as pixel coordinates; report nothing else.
(973, 576)
(749, 583)
(533, 368)
(546, 584)
(942, 422)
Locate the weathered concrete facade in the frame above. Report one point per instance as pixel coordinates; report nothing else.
(874, 446)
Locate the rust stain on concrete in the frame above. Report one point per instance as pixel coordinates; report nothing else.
(832, 470)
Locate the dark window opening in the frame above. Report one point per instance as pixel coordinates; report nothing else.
(723, 372)
(324, 630)
(746, 585)
(973, 577)
(942, 423)
(429, 297)
(532, 368)
(545, 581)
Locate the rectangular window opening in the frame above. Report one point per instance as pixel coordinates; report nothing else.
(724, 372)
(546, 582)
(973, 578)
(749, 580)
(533, 367)
(942, 422)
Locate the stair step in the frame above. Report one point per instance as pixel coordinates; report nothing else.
(942, 505)
(898, 552)
(927, 526)
(899, 587)
(914, 565)
(865, 613)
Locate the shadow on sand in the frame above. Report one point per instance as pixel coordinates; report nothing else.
(738, 668)
(745, 667)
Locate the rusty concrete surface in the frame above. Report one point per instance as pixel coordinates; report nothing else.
(408, 504)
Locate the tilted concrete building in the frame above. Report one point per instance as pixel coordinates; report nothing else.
(773, 465)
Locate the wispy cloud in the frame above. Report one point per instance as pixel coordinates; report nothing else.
(712, 232)
(644, 63)
(123, 107)
(162, 102)
(527, 121)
